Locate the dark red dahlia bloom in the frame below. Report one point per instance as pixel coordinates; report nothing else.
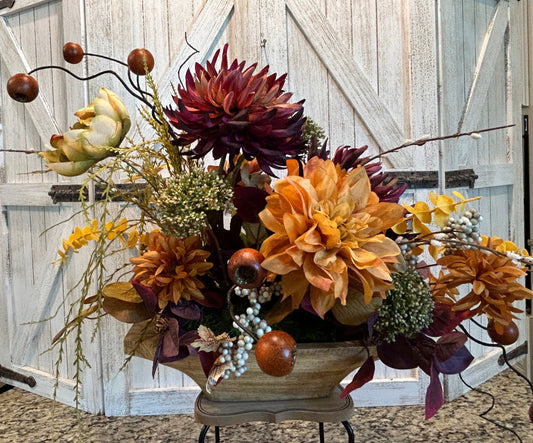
(230, 110)
(385, 186)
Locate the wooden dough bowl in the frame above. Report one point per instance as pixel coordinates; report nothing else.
(319, 368)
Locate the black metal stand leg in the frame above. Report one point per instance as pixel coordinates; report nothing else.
(201, 439)
(321, 431)
(349, 430)
(203, 433)
(5, 388)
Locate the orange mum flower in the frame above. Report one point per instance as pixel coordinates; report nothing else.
(326, 226)
(494, 286)
(171, 266)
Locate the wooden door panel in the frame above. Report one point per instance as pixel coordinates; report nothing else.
(480, 45)
(32, 34)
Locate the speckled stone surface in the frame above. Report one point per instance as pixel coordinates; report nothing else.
(25, 417)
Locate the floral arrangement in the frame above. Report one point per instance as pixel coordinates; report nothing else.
(246, 228)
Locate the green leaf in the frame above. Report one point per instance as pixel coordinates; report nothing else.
(255, 234)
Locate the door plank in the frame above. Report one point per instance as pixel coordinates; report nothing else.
(203, 35)
(351, 78)
(46, 289)
(21, 5)
(485, 66)
(15, 61)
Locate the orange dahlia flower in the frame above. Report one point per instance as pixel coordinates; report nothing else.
(494, 286)
(171, 266)
(328, 226)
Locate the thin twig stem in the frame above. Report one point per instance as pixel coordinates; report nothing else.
(423, 141)
(235, 319)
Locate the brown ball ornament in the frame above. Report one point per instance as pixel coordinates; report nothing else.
(72, 53)
(136, 61)
(244, 268)
(509, 336)
(275, 353)
(22, 88)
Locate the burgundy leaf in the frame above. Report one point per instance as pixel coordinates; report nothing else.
(187, 337)
(157, 355)
(371, 322)
(434, 395)
(423, 269)
(207, 359)
(249, 202)
(361, 377)
(425, 350)
(212, 299)
(398, 354)
(456, 363)
(307, 306)
(147, 294)
(171, 340)
(449, 344)
(188, 310)
(445, 320)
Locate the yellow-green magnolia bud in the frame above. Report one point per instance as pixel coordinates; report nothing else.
(101, 126)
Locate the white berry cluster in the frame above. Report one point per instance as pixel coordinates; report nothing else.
(262, 294)
(237, 355)
(464, 229)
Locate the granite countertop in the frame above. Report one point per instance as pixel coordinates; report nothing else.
(25, 417)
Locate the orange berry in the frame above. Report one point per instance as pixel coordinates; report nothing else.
(136, 61)
(244, 268)
(275, 353)
(509, 336)
(22, 88)
(73, 53)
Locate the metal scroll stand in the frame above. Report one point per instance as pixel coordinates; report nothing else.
(12, 375)
(227, 413)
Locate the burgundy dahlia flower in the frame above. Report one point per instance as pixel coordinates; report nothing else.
(231, 110)
(384, 185)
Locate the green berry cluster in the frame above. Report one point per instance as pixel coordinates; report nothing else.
(183, 205)
(311, 130)
(407, 309)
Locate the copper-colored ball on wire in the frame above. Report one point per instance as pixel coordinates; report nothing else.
(275, 353)
(137, 59)
(22, 88)
(244, 268)
(73, 53)
(508, 337)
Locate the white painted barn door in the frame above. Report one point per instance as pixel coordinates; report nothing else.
(481, 84)
(32, 33)
(369, 72)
